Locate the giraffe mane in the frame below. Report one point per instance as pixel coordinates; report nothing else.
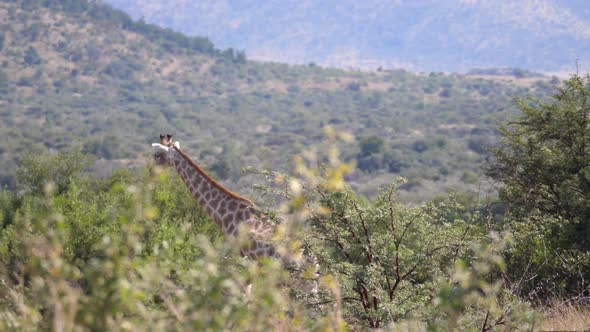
(209, 178)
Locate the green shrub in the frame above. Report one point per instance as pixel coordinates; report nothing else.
(130, 252)
(542, 168)
(474, 298)
(387, 257)
(31, 57)
(370, 145)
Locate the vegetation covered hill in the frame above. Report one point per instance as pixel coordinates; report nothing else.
(132, 252)
(80, 74)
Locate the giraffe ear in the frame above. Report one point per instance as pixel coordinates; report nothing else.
(177, 144)
(159, 146)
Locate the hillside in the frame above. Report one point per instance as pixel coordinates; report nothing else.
(79, 74)
(439, 35)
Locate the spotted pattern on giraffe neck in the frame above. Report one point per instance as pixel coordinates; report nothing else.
(230, 211)
(225, 208)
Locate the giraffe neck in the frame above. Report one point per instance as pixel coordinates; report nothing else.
(226, 208)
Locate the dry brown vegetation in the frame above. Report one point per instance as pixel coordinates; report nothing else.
(566, 317)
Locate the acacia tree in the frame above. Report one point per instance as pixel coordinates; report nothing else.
(543, 168)
(543, 161)
(388, 258)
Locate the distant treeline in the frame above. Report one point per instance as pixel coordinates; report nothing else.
(169, 39)
(516, 72)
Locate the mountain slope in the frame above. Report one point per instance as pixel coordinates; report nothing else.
(79, 74)
(431, 35)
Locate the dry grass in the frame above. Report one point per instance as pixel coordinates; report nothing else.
(566, 317)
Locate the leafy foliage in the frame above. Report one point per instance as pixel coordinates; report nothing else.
(542, 166)
(388, 257)
(132, 252)
(475, 299)
(126, 253)
(370, 145)
(392, 262)
(38, 169)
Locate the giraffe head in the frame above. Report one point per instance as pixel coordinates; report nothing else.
(163, 150)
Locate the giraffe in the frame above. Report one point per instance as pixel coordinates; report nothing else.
(228, 210)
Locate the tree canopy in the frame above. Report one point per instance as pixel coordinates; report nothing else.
(543, 161)
(543, 168)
